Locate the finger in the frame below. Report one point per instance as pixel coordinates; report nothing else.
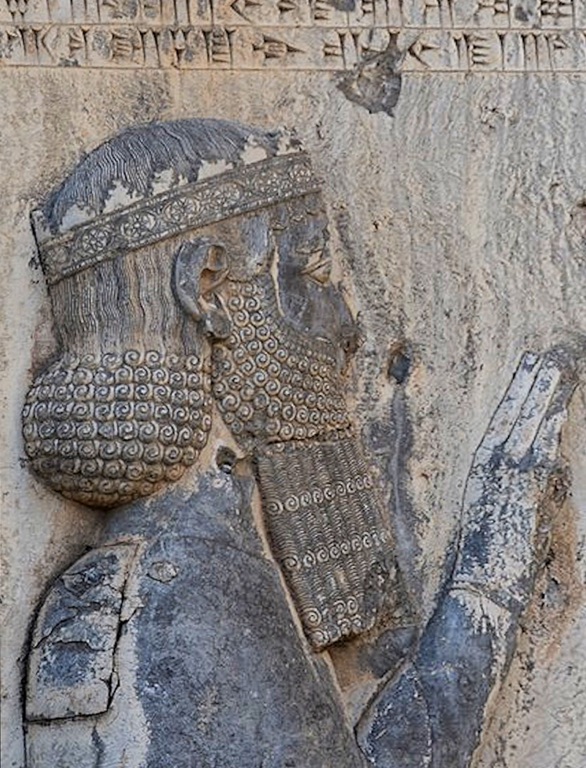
(545, 446)
(534, 409)
(510, 406)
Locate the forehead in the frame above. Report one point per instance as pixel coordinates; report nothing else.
(296, 226)
(301, 214)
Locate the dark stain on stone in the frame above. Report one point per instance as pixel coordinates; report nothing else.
(521, 14)
(399, 363)
(375, 82)
(99, 747)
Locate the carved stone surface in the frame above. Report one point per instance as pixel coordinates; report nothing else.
(438, 703)
(173, 641)
(124, 429)
(185, 603)
(76, 635)
(205, 643)
(437, 35)
(106, 429)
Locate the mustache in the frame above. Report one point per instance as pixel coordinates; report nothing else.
(346, 334)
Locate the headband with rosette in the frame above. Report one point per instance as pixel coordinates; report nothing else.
(159, 180)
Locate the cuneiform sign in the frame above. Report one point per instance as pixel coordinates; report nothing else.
(529, 14)
(433, 35)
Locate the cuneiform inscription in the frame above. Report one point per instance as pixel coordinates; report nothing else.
(443, 14)
(302, 48)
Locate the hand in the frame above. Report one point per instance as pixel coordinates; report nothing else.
(512, 471)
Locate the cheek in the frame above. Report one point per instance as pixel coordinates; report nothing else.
(249, 265)
(257, 245)
(335, 320)
(316, 310)
(296, 306)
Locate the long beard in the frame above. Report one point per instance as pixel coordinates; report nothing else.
(328, 532)
(281, 394)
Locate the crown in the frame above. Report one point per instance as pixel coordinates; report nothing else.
(170, 206)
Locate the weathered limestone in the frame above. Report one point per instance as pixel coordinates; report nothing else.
(459, 227)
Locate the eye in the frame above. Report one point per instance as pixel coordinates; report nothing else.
(318, 267)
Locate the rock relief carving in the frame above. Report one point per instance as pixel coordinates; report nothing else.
(478, 36)
(187, 264)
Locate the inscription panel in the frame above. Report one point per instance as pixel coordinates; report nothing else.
(432, 35)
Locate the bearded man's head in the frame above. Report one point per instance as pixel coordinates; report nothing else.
(188, 261)
(134, 244)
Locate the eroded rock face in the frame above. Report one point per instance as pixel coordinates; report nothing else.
(459, 227)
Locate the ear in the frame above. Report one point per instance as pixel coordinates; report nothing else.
(201, 266)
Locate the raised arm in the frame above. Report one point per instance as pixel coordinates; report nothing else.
(432, 713)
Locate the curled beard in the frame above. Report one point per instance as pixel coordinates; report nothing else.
(281, 393)
(272, 383)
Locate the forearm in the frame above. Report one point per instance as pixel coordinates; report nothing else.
(431, 714)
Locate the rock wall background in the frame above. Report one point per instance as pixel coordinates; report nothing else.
(461, 225)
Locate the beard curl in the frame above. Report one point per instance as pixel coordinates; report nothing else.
(273, 384)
